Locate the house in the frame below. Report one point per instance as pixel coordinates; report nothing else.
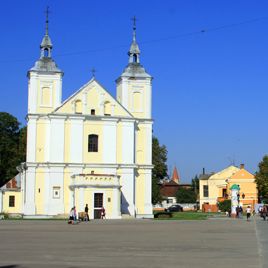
(215, 187)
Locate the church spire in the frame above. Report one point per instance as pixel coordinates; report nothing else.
(46, 44)
(134, 51)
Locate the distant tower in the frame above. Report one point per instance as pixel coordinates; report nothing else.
(45, 80)
(134, 86)
(175, 176)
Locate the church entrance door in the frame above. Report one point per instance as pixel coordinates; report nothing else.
(98, 204)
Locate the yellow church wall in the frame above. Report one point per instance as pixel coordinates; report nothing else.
(66, 190)
(18, 201)
(140, 192)
(97, 129)
(95, 96)
(141, 145)
(45, 101)
(88, 197)
(39, 190)
(40, 140)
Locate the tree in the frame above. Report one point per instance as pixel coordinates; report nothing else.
(10, 154)
(159, 158)
(185, 196)
(225, 205)
(261, 178)
(195, 184)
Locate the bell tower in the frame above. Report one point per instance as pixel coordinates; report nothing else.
(44, 80)
(134, 86)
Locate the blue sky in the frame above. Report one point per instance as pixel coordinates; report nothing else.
(209, 60)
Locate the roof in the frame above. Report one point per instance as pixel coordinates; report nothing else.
(45, 64)
(175, 176)
(13, 183)
(235, 187)
(225, 173)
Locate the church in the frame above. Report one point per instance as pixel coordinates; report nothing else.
(91, 148)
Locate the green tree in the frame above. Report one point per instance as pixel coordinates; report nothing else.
(10, 155)
(185, 196)
(225, 205)
(195, 184)
(261, 178)
(159, 158)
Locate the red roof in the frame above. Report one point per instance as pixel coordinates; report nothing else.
(175, 176)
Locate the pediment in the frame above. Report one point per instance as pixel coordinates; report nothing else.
(92, 99)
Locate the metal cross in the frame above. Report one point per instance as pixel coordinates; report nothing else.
(134, 22)
(47, 12)
(93, 71)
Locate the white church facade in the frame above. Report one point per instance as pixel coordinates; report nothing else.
(91, 148)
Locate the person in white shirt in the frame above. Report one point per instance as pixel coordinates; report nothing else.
(248, 210)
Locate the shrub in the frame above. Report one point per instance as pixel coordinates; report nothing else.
(163, 215)
(225, 205)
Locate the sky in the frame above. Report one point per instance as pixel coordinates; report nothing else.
(209, 60)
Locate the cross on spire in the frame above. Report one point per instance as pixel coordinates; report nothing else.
(47, 13)
(134, 28)
(93, 71)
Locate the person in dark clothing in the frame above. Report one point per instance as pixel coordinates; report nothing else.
(86, 217)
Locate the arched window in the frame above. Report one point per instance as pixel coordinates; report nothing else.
(107, 108)
(46, 96)
(135, 58)
(46, 54)
(78, 107)
(93, 143)
(136, 101)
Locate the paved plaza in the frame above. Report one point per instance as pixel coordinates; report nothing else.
(133, 243)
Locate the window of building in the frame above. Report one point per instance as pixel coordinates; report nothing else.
(170, 201)
(98, 200)
(56, 192)
(93, 143)
(46, 96)
(12, 201)
(205, 190)
(107, 108)
(78, 107)
(137, 101)
(92, 111)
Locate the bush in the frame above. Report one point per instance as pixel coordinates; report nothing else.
(225, 205)
(163, 215)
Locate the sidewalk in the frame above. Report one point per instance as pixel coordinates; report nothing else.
(262, 236)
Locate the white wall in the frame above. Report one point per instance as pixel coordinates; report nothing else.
(109, 142)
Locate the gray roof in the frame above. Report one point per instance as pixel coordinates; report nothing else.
(46, 42)
(135, 70)
(46, 64)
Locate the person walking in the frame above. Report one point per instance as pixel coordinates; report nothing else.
(248, 210)
(103, 213)
(86, 218)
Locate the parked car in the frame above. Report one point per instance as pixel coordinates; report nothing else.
(174, 208)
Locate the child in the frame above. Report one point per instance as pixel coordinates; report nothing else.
(248, 210)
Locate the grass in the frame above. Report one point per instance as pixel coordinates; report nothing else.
(189, 216)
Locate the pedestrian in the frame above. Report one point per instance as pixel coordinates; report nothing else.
(86, 218)
(71, 216)
(74, 214)
(264, 212)
(248, 210)
(103, 213)
(237, 212)
(241, 212)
